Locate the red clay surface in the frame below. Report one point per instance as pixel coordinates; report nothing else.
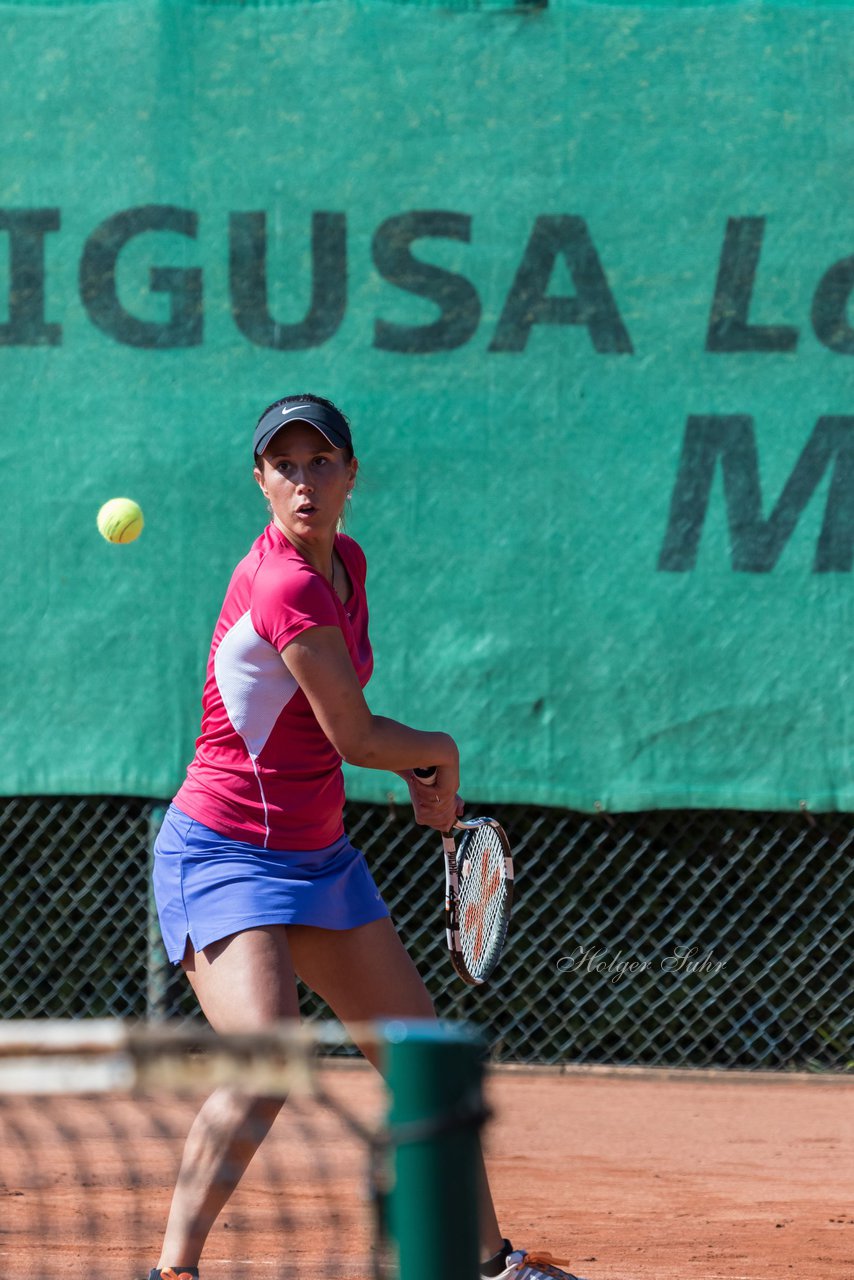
(679, 1177)
(628, 1175)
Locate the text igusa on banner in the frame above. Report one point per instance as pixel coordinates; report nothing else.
(527, 304)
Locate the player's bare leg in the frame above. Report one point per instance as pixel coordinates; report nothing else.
(243, 983)
(366, 974)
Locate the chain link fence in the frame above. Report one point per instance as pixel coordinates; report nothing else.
(678, 938)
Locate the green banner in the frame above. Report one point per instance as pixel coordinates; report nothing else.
(579, 274)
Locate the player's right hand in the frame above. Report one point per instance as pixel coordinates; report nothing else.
(436, 804)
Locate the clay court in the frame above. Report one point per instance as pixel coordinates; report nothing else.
(679, 1175)
(629, 1174)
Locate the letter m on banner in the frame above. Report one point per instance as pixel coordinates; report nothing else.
(756, 542)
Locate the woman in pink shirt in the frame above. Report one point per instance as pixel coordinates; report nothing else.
(255, 878)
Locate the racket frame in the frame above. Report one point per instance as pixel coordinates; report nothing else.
(426, 775)
(453, 862)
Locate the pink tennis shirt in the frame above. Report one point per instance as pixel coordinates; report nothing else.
(264, 771)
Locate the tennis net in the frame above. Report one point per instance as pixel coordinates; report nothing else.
(94, 1117)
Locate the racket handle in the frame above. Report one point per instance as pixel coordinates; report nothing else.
(427, 778)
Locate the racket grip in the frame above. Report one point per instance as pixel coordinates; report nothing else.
(427, 778)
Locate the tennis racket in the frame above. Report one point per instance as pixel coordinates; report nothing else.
(478, 893)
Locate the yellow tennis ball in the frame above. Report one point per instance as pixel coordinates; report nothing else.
(120, 520)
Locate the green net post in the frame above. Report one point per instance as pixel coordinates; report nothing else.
(435, 1074)
(158, 972)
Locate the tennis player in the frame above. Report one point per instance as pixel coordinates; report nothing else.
(255, 878)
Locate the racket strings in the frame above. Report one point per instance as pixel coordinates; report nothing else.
(483, 894)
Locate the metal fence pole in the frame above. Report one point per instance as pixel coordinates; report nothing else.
(435, 1077)
(158, 970)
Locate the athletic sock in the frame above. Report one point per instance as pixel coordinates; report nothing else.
(498, 1262)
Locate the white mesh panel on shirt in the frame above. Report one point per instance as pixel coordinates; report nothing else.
(254, 683)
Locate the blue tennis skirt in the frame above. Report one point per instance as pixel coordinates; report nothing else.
(207, 886)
